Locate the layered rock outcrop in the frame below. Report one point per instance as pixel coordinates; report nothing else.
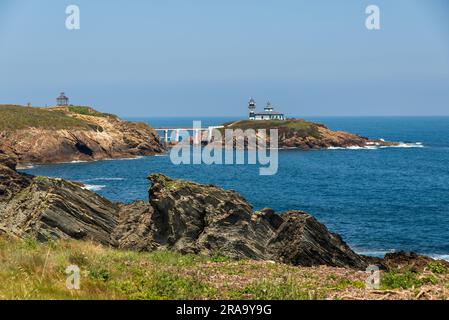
(47, 209)
(51, 135)
(194, 218)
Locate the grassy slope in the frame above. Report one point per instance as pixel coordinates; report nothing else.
(29, 270)
(89, 111)
(18, 117)
(301, 127)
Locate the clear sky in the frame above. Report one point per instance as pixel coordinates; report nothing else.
(207, 57)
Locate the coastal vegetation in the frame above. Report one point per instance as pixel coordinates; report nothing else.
(85, 110)
(298, 127)
(15, 117)
(305, 135)
(33, 270)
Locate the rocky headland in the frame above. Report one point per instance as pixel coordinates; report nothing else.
(306, 135)
(36, 135)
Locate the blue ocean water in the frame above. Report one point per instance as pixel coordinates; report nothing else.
(379, 200)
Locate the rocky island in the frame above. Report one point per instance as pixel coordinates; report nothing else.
(306, 135)
(72, 133)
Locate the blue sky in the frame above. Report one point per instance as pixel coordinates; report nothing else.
(206, 58)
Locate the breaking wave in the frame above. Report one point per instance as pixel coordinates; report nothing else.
(25, 167)
(123, 159)
(406, 145)
(376, 146)
(374, 253)
(93, 187)
(440, 256)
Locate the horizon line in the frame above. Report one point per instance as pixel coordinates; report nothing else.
(292, 117)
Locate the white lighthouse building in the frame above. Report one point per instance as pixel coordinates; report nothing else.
(267, 114)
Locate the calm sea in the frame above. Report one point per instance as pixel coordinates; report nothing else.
(379, 200)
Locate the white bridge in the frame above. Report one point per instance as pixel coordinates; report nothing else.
(197, 134)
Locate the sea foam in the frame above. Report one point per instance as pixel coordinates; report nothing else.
(93, 187)
(376, 146)
(440, 256)
(124, 159)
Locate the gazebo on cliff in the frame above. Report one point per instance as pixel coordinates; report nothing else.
(62, 100)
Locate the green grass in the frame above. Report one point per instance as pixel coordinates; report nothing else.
(345, 283)
(32, 270)
(17, 117)
(407, 280)
(437, 267)
(299, 127)
(89, 111)
(262, 290)
(163, 285)
(219, 258)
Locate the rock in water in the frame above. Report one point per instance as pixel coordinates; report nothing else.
(183, 216)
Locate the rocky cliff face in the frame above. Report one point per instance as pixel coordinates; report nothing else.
(52, 209)
(181, 216)
(65, 134)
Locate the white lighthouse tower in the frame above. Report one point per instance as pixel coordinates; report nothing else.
(252, 109)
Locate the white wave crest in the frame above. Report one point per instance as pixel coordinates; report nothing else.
(376, 146)
(93, 187)
(124, 159)
(25, 167)
(354, 148)
(406, 145)
(375, 253)
(440, 256)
